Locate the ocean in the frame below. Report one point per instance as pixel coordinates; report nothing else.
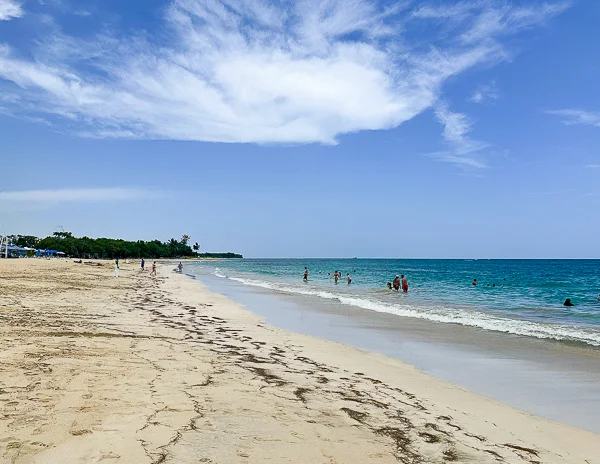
(527, 298)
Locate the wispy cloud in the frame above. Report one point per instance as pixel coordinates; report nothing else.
(10, 9)
(261, 72)
(555, 192)
(593, 166)
(576, 116)
(88, 195)
(485, 93)
(466, 162)
(456, 129)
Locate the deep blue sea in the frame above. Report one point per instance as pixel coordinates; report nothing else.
(527, 298)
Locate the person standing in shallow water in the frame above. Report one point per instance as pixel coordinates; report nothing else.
(396, 283)
(349, 279)
(474, 284)
(305, 278)
(404, 284)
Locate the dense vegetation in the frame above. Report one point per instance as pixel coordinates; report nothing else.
(85, 247)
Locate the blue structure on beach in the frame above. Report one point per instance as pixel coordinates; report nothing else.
(48, 253)
(13, 251)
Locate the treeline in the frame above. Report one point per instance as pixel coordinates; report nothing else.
(218, 255)
(109, 248)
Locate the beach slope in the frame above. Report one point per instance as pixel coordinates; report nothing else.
(154, 370)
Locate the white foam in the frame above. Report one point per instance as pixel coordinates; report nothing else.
(441, 314)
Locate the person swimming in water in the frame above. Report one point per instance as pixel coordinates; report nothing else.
(396, 283)
(474, 282)
(404, 284)
(568, 302)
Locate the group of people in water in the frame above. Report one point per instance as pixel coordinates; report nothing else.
(399, 280)
(337, 275)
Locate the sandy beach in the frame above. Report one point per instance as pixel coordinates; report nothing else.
(150, 370)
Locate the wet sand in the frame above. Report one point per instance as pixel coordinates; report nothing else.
(137, 369)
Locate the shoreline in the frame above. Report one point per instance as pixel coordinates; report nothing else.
(134, 369)
(547, 378)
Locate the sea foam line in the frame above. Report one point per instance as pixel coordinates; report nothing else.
(443, 315)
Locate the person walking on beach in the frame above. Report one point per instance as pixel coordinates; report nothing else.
(153, 272)
(349, 279)
(117, 267)
(396, 283)
(404, 284)
(180, 267)
(142, 264)
(305, 278)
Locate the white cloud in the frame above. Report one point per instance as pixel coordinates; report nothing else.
(88, 195)
(593, 166)
(254, 71)
(10, 9)
(456, 129)
(575, 116)
(485, 93)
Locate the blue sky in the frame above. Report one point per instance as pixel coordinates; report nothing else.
(420, 128)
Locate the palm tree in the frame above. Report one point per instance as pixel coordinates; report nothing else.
(196, 247)
(173, 245)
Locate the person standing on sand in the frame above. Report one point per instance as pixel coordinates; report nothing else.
(117, 267)
(153, 272)
(404, 284)
(396, 283)
(180, 267)
(142, 264)
(305, 278)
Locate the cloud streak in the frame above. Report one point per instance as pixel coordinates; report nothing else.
(576, 116)
(90, 195)
(251, 71)
(456, 129)
(10, 9)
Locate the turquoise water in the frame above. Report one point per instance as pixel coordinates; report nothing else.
(527, 298)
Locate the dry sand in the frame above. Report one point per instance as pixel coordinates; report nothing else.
(152, 370)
